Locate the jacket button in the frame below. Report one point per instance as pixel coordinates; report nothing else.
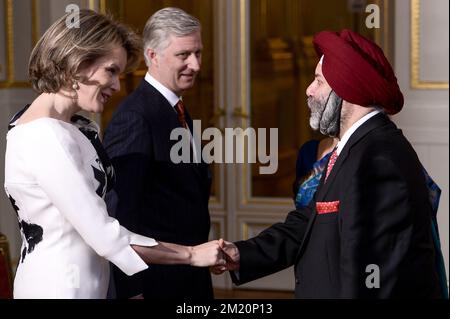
(297, 281)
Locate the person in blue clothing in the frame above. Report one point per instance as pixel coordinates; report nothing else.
(311, 161)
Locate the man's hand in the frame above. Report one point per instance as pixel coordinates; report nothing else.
(231, 255)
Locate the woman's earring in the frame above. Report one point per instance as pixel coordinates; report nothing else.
(75, 86)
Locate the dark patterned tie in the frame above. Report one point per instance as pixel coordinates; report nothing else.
(180, 111)
(331, 162)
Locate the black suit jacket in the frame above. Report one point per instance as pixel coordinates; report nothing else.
(383, 219)
(155, 197)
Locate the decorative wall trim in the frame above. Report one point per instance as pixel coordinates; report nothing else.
(103, 6)
(217, 228)
(14, 85)
(9, 40)
(382, 35)
(9, 30)
(98, 5)
(35, 31)
(250, 225)
(416, 82)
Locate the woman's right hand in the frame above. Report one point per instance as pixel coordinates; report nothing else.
(207, 255)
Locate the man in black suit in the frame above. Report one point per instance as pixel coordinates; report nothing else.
(153, 195)
(367, 232)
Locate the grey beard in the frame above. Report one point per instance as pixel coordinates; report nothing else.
(325, 115)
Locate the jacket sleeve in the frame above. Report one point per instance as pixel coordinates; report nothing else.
(274, 249)
(129, 145)
(58, 166)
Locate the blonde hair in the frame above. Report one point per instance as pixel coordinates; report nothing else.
(62, 51)
(164, 23)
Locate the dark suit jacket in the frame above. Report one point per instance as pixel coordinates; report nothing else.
(155, 197)
(383, 219)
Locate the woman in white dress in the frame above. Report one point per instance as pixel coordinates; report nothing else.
(57, 173)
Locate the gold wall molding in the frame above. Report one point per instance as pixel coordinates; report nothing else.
(11, 81)
(103, 6)
(217, 229)
(244, 55)
(8, 8)
(416, 82)
(35, 21)
(14, 85)
(242, 112)
(244, 78)
(98, 5)
(382, 35)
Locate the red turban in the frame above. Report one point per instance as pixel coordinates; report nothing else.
(357, 70)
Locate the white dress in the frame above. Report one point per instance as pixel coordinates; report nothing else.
(56, 183)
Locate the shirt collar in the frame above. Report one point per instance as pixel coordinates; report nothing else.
(171, 97)
(352, 129)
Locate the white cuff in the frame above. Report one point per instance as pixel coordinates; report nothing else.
(139, 240)
(127, 259)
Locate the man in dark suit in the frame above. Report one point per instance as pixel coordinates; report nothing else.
(367, 232)
(153, 195)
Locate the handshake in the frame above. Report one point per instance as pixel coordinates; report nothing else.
(219, 255)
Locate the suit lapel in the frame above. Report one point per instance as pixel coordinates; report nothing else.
(371, 124)
(323, 188)
(164, 120)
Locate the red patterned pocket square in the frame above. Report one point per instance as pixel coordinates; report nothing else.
(327, 207)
